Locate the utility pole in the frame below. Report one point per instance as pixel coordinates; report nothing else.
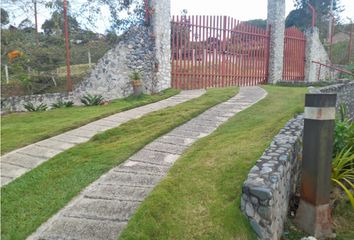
(69, 84)
(350, 41)
(330, 22)
(36, 21)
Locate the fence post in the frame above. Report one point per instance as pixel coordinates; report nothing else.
(313, 215)
(276, 18)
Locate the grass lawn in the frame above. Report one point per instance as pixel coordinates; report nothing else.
(34, 197)
(200, 197)
(21, 129)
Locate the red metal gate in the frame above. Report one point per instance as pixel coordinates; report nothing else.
(294, 55)
(216, 51)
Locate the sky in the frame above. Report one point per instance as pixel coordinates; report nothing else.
(241, 9)
(238, 9)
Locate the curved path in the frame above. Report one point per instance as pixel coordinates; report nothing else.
(103, 209)
(16, 163)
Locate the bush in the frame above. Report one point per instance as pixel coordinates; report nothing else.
(92, 100)
(62, 104)
(343, 132)
(31, 108)
(343, 172)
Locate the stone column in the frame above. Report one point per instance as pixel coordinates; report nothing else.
(314, 52)
(276, 18)
(161, 27)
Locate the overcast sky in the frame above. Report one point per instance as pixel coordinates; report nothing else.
(240, 9)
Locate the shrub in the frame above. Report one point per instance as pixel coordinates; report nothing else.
(343, 172)
(135, 75)
(31, 108)
(62, 104)
(343, 132)
(92, 100)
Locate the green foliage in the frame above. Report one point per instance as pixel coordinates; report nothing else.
(92, 100)
(135, 75)
(261, 23)
(301, 17)
(62, 104)
(32, 108)
(343, 172)
(343, 132)
(343, 135)
(4, 17)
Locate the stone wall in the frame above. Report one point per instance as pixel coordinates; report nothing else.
(315, 52)
(345, 95)
(16, 103)
(276, 18)
(273, 180)
(162, 32)
(270, 183)
(142, 48)
(110, 78)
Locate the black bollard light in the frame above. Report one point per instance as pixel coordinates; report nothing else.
(313, 215)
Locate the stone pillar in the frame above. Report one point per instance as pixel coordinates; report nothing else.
(161, 27)
(315, 52)
(276, 18)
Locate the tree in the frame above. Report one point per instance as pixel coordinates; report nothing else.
(261, 23)
(301, 17)
(55, 24)
(4, 17)
(123, 13)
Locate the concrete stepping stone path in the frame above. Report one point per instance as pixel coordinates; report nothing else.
(20, 161)
(103, 209)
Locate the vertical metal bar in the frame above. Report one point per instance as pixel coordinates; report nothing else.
(201, 53)
(232, 52)
(350, 42)
(258, 66)
(248, 41)
(186, 55)
(180, 53)
(213, 43)
(173, 52)
(267, 53)
(196, 44)
(189, 46)
(208, 43)
(203, 39)
(69, 84)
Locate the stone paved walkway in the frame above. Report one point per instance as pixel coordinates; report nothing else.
(22, 160)
(103, 209)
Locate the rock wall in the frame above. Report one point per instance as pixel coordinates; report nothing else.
(142, 48)
(270, 183)
(110, 78)
(162, 32)
(315, 52)
(276, 18)
(16, 103)
(273, 180)
(345, 95)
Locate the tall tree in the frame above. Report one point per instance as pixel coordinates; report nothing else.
(301, 16)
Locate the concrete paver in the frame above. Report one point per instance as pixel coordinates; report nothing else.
(103, 209)
(22, 160)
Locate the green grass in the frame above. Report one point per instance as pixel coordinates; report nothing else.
(21, 129)
(31, 199)
(200, 197)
